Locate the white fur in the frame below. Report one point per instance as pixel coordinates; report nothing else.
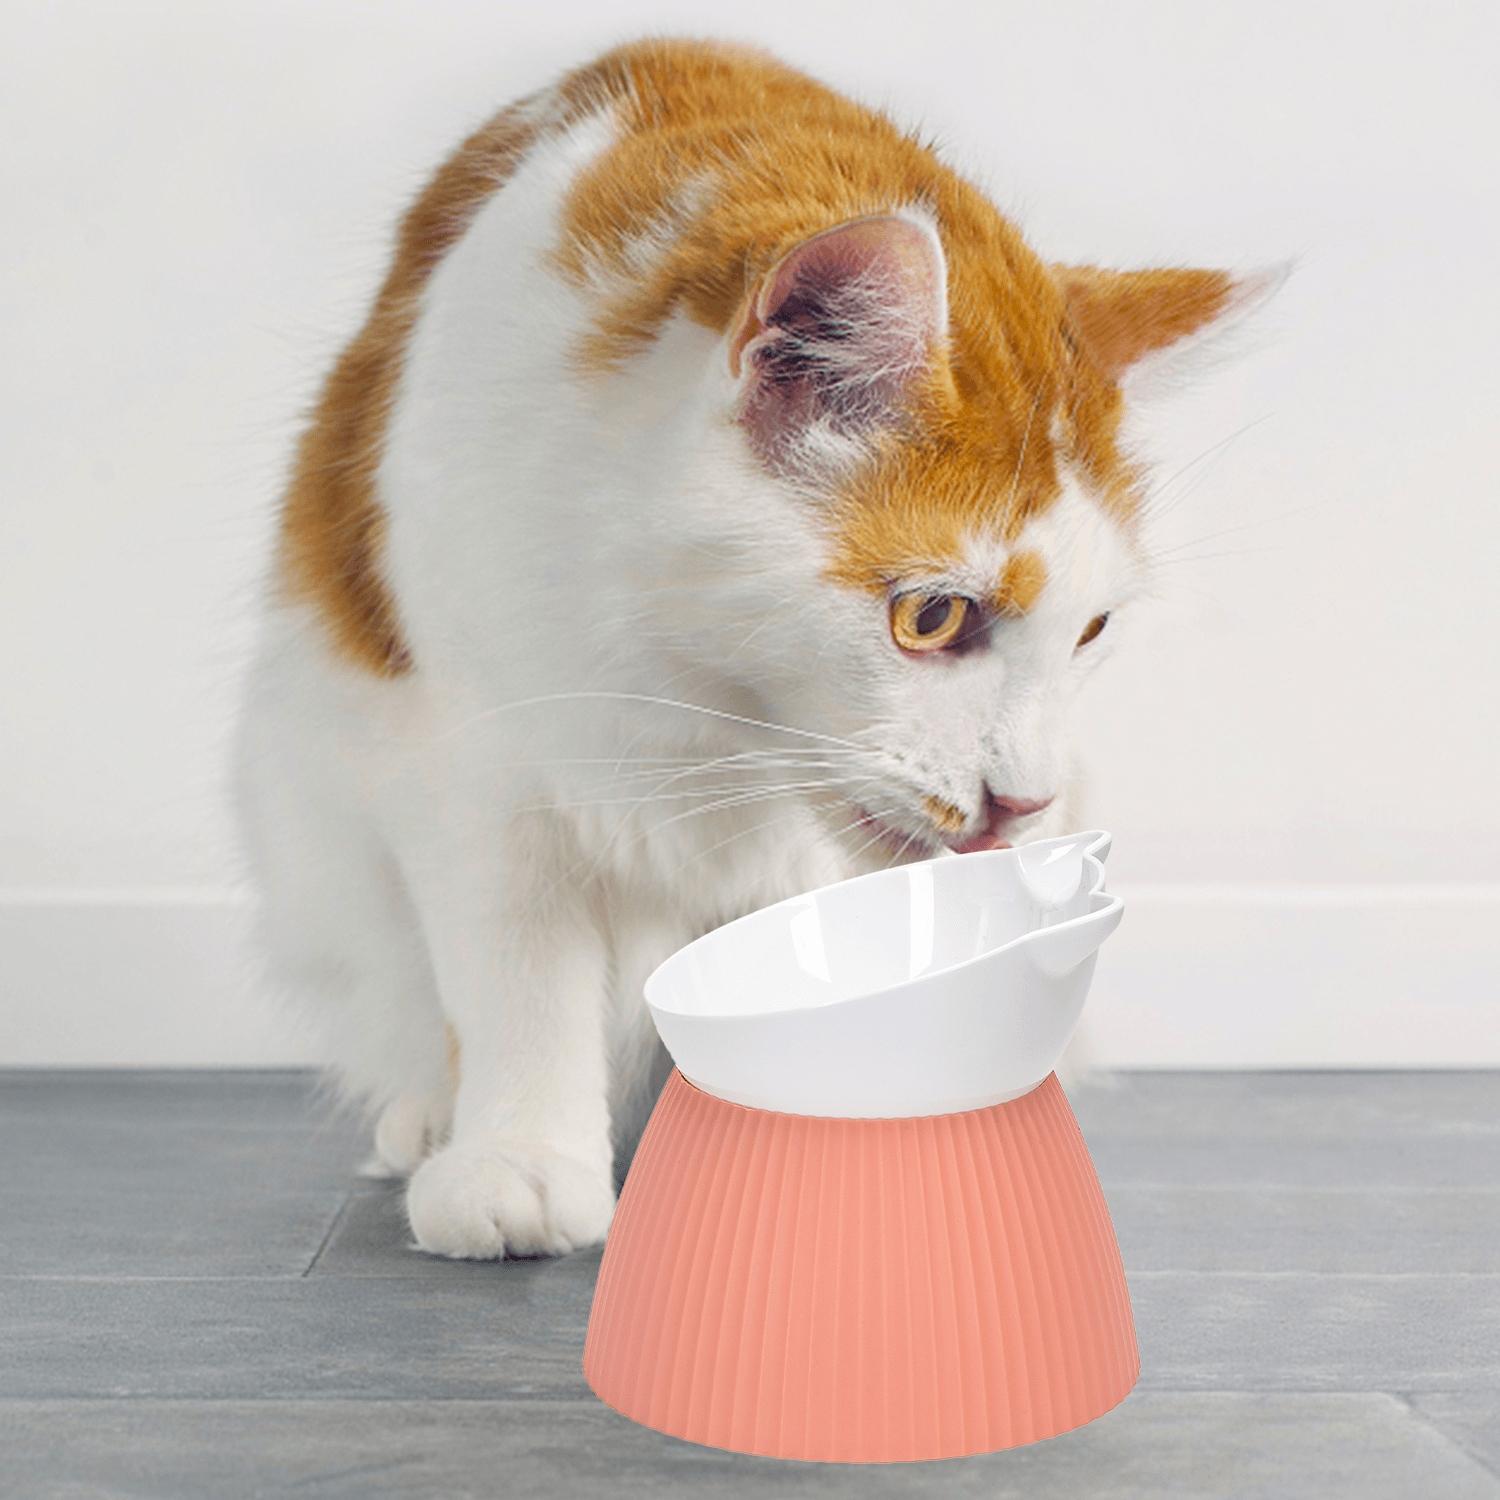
(624, 649)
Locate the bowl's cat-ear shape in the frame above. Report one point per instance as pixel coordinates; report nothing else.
(1053, 870)
(1057, 951)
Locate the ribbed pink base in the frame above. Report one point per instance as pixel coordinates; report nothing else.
(863, 1291)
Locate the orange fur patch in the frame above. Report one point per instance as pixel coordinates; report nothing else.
(332, 525)
(1021, 583)
(728, 160)
(732, 159)
(1123, 315)
(804, 159)
(946, 818)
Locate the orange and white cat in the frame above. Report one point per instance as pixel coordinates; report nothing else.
(720, 498)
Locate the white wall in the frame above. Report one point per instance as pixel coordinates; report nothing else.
(195, 197)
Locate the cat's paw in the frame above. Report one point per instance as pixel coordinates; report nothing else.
(482, 1200)
(409, 1129)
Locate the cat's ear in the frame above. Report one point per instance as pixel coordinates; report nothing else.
(830, 343)
(1121, 317)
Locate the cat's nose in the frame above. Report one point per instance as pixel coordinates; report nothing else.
(997, 817)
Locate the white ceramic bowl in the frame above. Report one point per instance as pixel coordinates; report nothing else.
(921, 990)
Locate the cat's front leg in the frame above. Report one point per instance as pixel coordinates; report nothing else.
(522, 971)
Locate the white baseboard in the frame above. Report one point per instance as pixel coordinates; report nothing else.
(1218, 977)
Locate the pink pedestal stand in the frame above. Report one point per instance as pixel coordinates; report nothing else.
(858, 1290)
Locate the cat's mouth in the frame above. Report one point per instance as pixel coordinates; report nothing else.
(905, 843)
(876, 833)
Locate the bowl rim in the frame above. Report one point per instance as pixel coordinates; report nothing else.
(1102, 902)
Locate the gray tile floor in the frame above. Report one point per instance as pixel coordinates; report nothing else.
(198, 1299)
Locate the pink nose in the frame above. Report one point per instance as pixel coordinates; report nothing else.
(998, 815)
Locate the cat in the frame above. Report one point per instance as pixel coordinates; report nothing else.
(720, 499)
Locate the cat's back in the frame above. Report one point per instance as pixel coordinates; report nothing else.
(552, 245)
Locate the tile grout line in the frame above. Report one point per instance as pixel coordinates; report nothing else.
(486, 1269)
(1330, 1190)
(584, 1397)
(333, 1224)
(1323, 1275)
(1408, 1399)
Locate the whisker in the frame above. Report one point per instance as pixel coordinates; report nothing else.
(725, 765)
(1257, 524)
(745, 789)
(733, 837)
(1196, 557)
(875, 837)
(648, 698)
(1160, 490)
(735, 761)
(1015, 479)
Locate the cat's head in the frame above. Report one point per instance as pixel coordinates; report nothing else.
(949, 533)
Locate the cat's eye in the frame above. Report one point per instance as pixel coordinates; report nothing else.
(929, 622)
(1092, 630)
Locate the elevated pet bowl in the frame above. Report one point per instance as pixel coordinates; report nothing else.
(862, 1224)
